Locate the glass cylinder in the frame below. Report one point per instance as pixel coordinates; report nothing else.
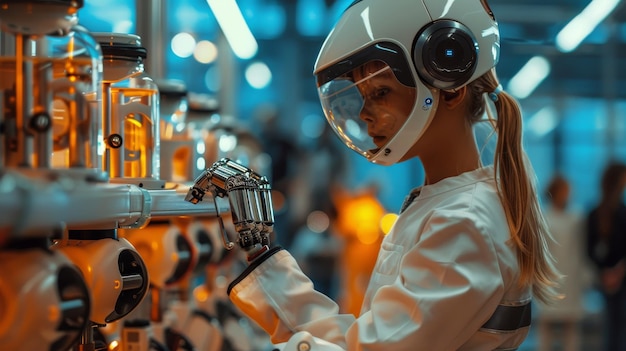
(173, 107)
(77, 100)
(224, 136)
(50, 87)
(182, 150)
(202, 115)
(131, 112)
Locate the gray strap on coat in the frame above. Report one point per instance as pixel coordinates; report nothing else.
(509, 318)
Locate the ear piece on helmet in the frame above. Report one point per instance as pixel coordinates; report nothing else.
(445, 54)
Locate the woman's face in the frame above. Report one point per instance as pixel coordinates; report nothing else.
(387, 102)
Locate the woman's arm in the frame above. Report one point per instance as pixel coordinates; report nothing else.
(441, 292)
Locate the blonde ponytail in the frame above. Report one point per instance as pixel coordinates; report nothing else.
(517, 191)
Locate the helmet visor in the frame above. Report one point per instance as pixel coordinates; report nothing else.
(367, 106)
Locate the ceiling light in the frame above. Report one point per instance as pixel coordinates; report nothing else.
(234, 27)
(529, 77)
(543, 122)
(584, 23)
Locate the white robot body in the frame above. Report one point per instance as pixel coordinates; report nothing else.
(114, 272)
(164, 249)
(206, 242)
(204, 332)
(44, 302)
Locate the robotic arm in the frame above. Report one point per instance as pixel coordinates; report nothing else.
(249, 195)
(250, 199)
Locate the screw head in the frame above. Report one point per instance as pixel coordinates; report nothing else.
(304, 346)
(41, 122)
(115, 141)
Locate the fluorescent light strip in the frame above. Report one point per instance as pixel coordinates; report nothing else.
(584, 23)
(543, 122)
(234, 27)
(529, 77)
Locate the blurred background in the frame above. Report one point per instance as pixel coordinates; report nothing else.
(246, 67)
(571, 84)
(562, 59)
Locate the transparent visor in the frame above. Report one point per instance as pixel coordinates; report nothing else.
(367, 106)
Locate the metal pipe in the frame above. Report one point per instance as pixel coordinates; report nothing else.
(152, 28)
(30, 205)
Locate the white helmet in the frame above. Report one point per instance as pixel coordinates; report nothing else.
(423, 45)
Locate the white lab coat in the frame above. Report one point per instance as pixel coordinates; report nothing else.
(440, 274)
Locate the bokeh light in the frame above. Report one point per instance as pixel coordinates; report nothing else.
(212, 79)
(258, 75)
(205, 52)
(387, 222)
(318, 221)
(313, 126)
(183, 44)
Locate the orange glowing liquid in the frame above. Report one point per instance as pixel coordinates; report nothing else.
(140, 133)
(53, 85)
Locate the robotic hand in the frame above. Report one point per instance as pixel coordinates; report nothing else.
(249, 196)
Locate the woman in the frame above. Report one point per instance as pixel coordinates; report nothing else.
(405, 79)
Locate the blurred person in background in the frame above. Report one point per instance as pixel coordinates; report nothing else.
(315, 241)
(409, 79)
(286, 158)
(560, 322)
(606, 246)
